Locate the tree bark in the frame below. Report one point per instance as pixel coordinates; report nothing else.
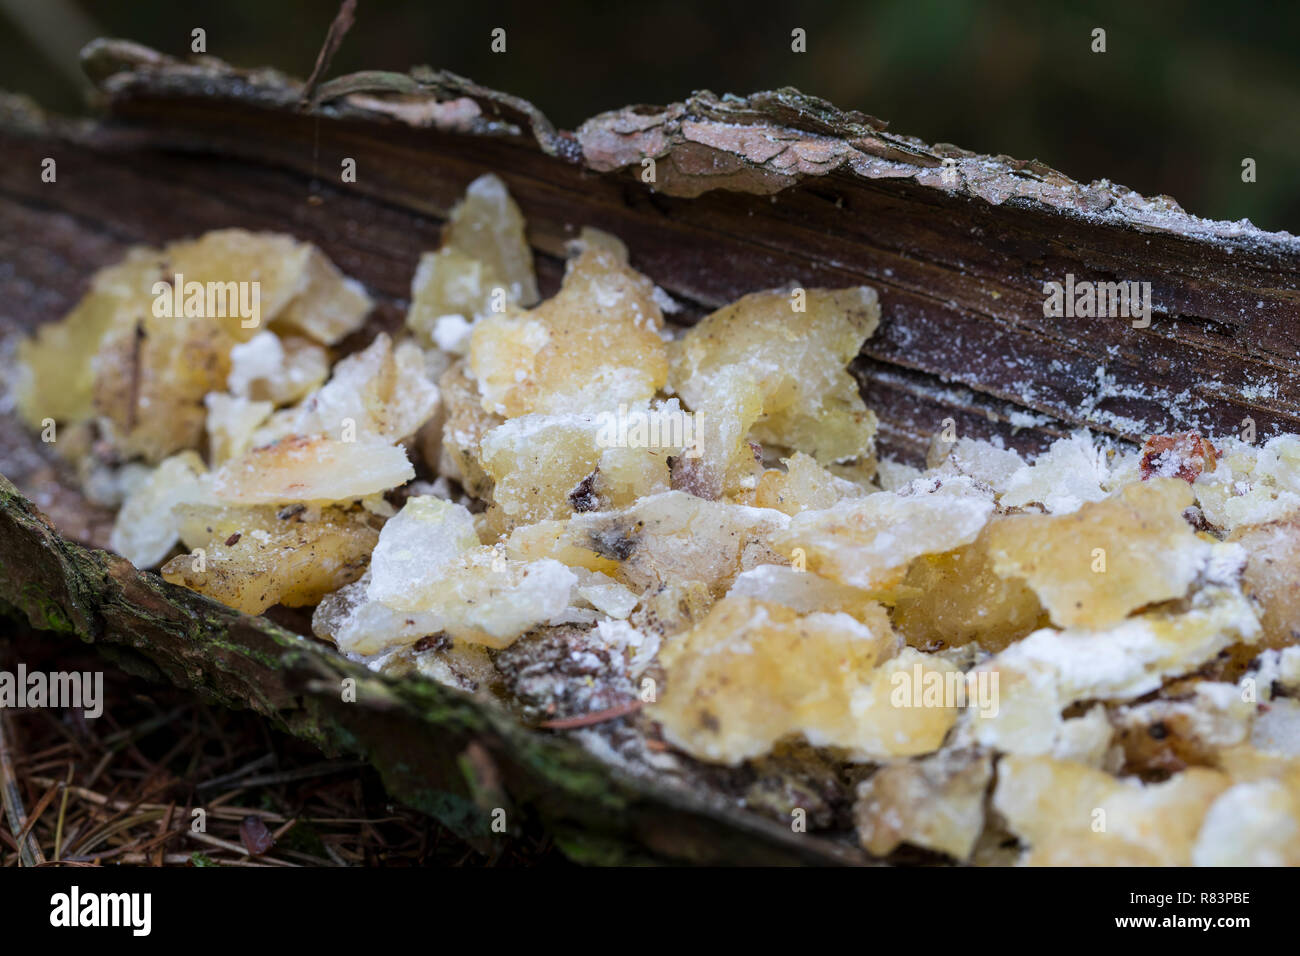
(746, 194)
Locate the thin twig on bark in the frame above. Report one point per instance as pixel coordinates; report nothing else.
(333, 40)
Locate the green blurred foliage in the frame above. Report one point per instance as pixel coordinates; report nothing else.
(1184, 92)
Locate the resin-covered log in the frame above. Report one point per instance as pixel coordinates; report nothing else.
(715, 197)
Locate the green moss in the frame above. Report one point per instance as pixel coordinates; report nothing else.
(591, 849)
(460, 815)
(45, 613)
(270, 661)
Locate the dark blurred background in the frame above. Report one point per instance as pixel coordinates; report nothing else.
(1184, 92)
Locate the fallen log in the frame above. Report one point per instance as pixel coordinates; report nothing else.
(715, 197)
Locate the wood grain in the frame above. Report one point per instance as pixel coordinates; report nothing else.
(750, 194)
